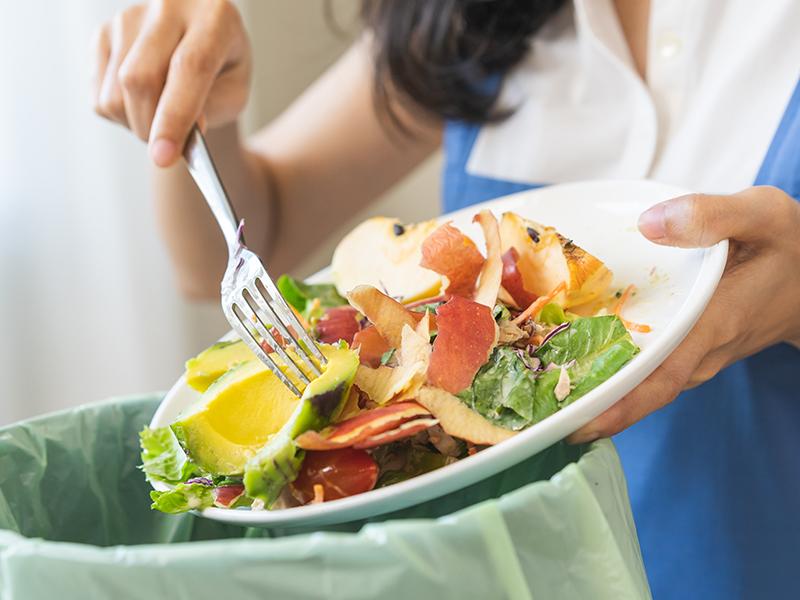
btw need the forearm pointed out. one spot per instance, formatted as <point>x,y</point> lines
<point>296,181</point>
<point>191,234</point>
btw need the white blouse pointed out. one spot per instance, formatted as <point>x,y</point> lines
<point>719,76</point>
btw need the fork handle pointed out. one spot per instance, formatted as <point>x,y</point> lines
<point>202,169</point>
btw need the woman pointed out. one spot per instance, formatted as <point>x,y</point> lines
<point>521,93</point>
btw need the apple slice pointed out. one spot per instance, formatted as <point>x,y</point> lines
<point>512,280</point>
<point>449,252</point>
<point>547,258</point>
<point>460,421</point>
<point>385,254</point>
<point>362,427</point>
<point>387,314</point>
<point>492,271</point>
<point>466,335</point>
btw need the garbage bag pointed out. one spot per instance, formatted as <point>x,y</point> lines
<point>75,523</point>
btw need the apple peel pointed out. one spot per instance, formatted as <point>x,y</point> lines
<point>512,282</point>
<point>371,346</point>
<point>406,430</point>
<point>492,271</point>
<point>227,495</point>
<point>387,314</point>
<point>460,421</point>
<point>383,383</point>
<point>450,253</point>
<point>362,427</point>
<point>467,333</point>
<point>338,323</point>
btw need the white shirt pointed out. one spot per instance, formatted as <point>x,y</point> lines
<point>719,76</point>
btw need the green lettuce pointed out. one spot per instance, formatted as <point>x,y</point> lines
<point>553,314</point>
<point>182,498</point>
<point>505,391</point>
<point>593,348</point>
<point>163,459</point>
<point>508,392</point>
<point>301,296</point>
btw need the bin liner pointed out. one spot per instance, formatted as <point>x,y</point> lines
<point>75,523</point>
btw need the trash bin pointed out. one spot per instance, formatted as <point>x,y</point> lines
<point>75,523</point>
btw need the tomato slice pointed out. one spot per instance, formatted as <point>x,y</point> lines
<point>341,473</point>
<point>372,344</point>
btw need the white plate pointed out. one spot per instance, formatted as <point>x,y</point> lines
<point>674,287</point>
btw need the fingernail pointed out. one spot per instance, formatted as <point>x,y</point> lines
<point>653,222</point>
<point>163,152</point>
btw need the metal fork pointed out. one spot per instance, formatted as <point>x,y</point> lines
<point>251,302</point>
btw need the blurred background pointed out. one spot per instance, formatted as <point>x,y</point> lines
<point>89,308</point>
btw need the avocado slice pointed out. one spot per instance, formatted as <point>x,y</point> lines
<point>235,417</point>
<point>247,420</point>
<point>208,366</point>
<point>278,462</point>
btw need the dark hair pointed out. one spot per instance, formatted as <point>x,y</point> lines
<point>439,55</point>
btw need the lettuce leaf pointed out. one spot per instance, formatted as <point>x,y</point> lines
<point>511,395</point>
<point>505,391</point>
<point>552,314</point>
<point>593,348</point>
<point>301,295</point>
<point>182,498</point>
<point>163,459</point>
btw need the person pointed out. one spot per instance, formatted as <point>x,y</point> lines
<point>520,93</point>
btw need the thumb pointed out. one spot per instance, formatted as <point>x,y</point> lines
<point>701,220</point>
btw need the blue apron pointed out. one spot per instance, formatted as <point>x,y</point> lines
<point>714,478</point>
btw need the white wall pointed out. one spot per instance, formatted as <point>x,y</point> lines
<point>87,305</point>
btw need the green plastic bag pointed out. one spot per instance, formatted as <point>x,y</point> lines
<point>75,523</point>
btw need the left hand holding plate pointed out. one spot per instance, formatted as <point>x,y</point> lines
<point>755,305</point>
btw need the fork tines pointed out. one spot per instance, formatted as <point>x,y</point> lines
<point>264,318</point>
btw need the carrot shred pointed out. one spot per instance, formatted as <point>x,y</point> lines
<point>640,327</point>
<point>623,299</point>
<point>301,318</point>
<point>319,494</point>
<point>537,305</point>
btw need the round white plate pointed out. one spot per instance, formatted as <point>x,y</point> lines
<point>674,286</point>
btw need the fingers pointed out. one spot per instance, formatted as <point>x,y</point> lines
<point>658,390</point>
<point>123,33</point>
<point>193,69</point>
<point>144,71</point>
<point>699,220</point>
<point>159,68</point>
<point>102,48</point>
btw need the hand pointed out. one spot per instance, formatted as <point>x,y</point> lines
<point>163,66</point>
<point>755,305</point>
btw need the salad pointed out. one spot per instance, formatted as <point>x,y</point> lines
<point>435,351</point>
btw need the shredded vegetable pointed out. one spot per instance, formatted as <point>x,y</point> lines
<point>538,304</point>
<point>630,325</point>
